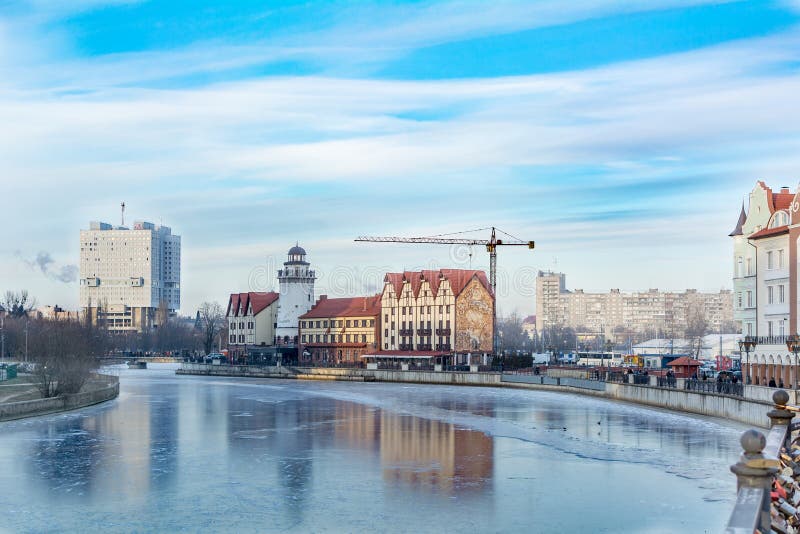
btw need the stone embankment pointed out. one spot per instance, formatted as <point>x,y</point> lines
<point>99,388</point>
<point>749,409</point>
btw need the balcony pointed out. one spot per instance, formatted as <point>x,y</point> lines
<point>406,347</point>
<point>443,347</point>
<point>424,331</point>
<point>424,347</point>
<point>442,331</point>
<point>768,340</point>
<point>407,332</point>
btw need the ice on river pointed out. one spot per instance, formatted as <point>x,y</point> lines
<point>181,453</point>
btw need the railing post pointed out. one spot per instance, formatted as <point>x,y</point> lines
<point>751,472</point>
<point>780,415</point>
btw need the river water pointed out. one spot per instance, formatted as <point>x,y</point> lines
<point>188,454</point>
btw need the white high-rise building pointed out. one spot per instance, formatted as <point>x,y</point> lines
<point>128,274</point>
<point>296,283</point>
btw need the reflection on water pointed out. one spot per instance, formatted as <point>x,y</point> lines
<point>195,453</point>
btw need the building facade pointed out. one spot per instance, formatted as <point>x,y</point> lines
<point>642,312</point>
<point>449,310</point>
<point>128,274</point>
<point>296,283</point>
<point>252,320</point>
<point>766,241</point>
<point>340,330</point>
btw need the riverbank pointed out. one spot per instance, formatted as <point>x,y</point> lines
<point>748,410</point>
<point>99,388</point>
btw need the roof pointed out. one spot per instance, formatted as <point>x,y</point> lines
<point>531,319</point>
<point>297,249</point>
<point>458,278</point>
<point>238,303</point>
<point>345,307</point>
<point>768,232</point>
<point>685,361</point>
<point>739,224</point>
<point>782,201</point>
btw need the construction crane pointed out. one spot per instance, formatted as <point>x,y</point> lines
<point>491,245</point>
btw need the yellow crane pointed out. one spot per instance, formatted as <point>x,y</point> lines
<point>491,245</point>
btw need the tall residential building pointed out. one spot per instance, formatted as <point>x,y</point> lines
<point>766,240</point>
<point>128,274</point>
<point>644,312</point>
<point>296,282</point>
<point>448,311</point>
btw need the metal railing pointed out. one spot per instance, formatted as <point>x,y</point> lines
<point>714,386</point>
<point>641,380</point>
<point>666,382</point>
<point>756,470</point>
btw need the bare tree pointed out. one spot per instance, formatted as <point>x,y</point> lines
<point>696,327</point>
<point>212,321</point>
<point>18,304</point>
<point>65,354</point>
<point>512,336</point>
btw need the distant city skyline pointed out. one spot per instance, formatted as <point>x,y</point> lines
<point>621,137</point>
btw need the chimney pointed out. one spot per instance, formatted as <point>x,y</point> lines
<point>323,297</point>
<point>784,189</point>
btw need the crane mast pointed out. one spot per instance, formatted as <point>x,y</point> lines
<point>491,245</point>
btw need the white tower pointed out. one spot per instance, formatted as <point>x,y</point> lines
<point>296,282</point>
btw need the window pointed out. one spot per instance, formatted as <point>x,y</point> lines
<point>363,338</point>
<point>780,294</point>
<point>324,324</point>
<point>429,309</point>
<point>780,259</point>
<point>739,300</point>
<point>385,332</point>
<point>386,317</point>
<point>749,299</point>
<point>769,328</point>
<point>372,322</point>
<point>348,323</point>
<point>348,338</point>
<point>781,328</point>
<point>304,338</point>
<point>749,329</point>
<point>769,260</point>
<point>739,267</point>
<point>749,266</point>
<point>770,296</point>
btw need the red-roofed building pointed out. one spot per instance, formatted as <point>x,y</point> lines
<point>446,310</point>
<point>766,244</point>
<point>251,321</point>
<point>340,330</point>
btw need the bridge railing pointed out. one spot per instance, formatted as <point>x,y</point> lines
<point>756,470</point>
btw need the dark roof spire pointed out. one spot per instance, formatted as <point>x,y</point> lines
<point>740,223</point>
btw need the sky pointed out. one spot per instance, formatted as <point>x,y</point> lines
<point>621,136</point>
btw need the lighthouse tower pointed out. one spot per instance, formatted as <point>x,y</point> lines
<point>296,282</point>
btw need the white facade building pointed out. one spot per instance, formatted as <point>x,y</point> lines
<point>127,274</point>
<point>766,243</point>
<point>296,282</point>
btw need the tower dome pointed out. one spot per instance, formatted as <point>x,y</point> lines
<point>297,250</point>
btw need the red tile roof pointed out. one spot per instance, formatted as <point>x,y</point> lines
<point>239,303</point>
<point>458,278</point>
<point>782,201</point>
<point>767,232</point>
<point>684,361</point>
<point>345,307</point>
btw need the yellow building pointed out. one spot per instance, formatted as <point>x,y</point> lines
<point>339,330</point>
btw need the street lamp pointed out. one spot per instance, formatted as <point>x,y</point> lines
<point>746,345</point>
<point>793,344</point>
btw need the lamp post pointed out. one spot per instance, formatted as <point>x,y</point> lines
<point>793,344</point>
<point>746,345</point>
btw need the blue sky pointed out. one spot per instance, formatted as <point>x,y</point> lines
<point>621,136</point>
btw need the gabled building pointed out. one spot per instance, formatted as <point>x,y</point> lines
<point>252,320</point>
<point>340,330</point>
<point>766,241</point>
<point>449,310</point>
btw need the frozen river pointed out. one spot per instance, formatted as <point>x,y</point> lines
<point>178,453</point>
